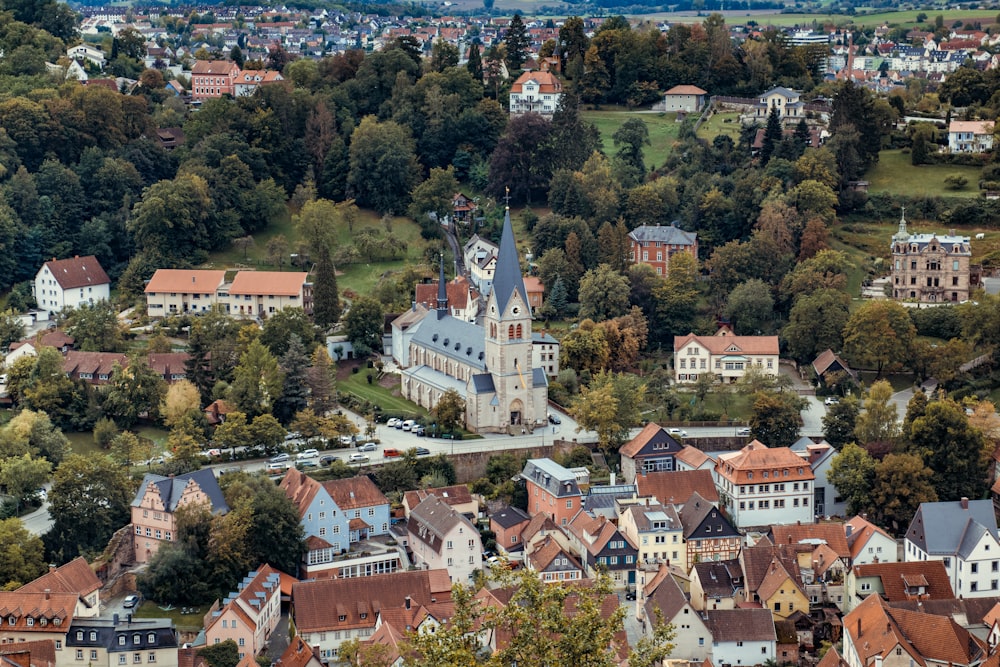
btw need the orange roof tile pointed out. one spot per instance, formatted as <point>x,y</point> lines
<point>676,487</point>
<point>692,456</point>
<point>830,533</point>
<point>77,272</point>
<point>75,576</point>
<point>354,492</point>
<point>185,281</point>
<point>548,83</point>
<point>300,489</point>
<point>894,588</point>
<point>721,343</point>
<point>686,90</point>
<point>861,530</point>
<point>278,283</point>
<point>758,458</point>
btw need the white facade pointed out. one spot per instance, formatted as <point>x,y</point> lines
<point>53,297</point>
<point>742,652</point>
<point>973,574</point>
<point>970,136</point>
<point>725,355</point>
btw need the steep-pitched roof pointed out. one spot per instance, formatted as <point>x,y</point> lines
<point>676,487</point>
<point>300,489</point>
<point>733,625</point>
<point>278,283</point>
<point>826,359</point>
<point>457,291</point>
<point>831,534</point>
<point>692,456</point>
<point>507,277</point>
<point>56,338</point>
<point>653,434</point>
<point>693,514</point>
<point>94,363</point>
<point>551,476</point>
<point>894,575</point>
<point>171,489</point>
<point>298,654</point>
<point>187,281</point>
<point>547,82</point>
<point>355,492</point>
<point>77,272</point>
<point>667,597</point>
<point>75,576</point>
<point>432,520</point>
<point>451,495</point>
<point>757,561</point>
<point>40,653</point>
<point>21,605</point>
<point>543,557</point>
<point>720,578</point>
<point>947,524</point>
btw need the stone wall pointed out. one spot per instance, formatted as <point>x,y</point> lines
<point>470,466</point>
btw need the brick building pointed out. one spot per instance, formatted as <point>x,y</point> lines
<point>656,244</point>
<point>930,267</point>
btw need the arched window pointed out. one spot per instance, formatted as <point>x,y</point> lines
<point>519,332</point>
<point>510,331</point>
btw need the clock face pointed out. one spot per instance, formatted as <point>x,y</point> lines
<point>515,310</point>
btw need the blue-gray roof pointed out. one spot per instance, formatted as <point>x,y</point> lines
<point>552,477</point>
<point>941,528</point>
<point>171,489</point>
<point>436,379</point>
<point>538,378</point>
<point>507,277</point>
<point>483,384</point>
<point>669,234</point>
<point>454,338</point>
<point>543,338</point>
<point>136,633</point>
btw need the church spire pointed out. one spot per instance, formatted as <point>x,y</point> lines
<point>902,234</point>
<point>442,300</point>
<point>507,277</point>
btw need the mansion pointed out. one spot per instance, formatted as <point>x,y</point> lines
<point>930,267</point>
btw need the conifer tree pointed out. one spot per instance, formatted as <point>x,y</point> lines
<point>517,43</point>
<point>475,63</point>
<point>772,135</point>
<point>326,298</point>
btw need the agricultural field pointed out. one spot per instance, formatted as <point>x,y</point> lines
<point>663,130</point>
<point>895,174</point>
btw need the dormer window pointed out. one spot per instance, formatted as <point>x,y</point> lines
<point>79,635</point>
<point>121,640</point>
<point>364,615</point>
<point>30,621</point>
<point>136,639</point>
<point>151,638</point>
<point>342,618</point>
<point>11,620</point>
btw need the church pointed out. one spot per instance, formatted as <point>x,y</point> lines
<point>494,366</point>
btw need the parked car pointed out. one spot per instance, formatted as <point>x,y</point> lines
<point>419,431</point>
<point>131,601</point>
<point>308,463</point>
<point>293,435</point>
<point>276,468</point>
<point>743,431</point>
<point>307,454</point>
<point>629,595</point>
<point>423,451</point>
<point>831,400</point>
<point>368,447</point>
<point>358,457</point>
<point>391,453</point>
<point>393,422</point>
<point>677,431</point>
<point>327,460</point>
<point>347,440</point>
<point>554,419</point>
<point>408,425</point>
<point>42,495</point>
<point>278,458</point>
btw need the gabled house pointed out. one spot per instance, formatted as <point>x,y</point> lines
<point>213,78</point>
<point>298,654</point>
<point>657,533</point>
<point>875,633</point>
<point>462,208</point>
<point>91,54</point>
<point>708,533</point>
<point>456,496</point>
<point>76,577</point>
<point>826,500</point>
<point>39,616</point>
<point>480,259</point>
<point>507,524</point>
<point>327,612</point>
<point>692,458</point>
<point>970,136</point>
<point>248,615</point>
<point>723,354</point>
<point>535,92</point>
<point>741,636</point>
<point>158,499</point>
<point>717,585</point>
<point>553,563</point>
<point>110,642</point>
<point>773,579</point>
<point>656,244</point>
<point>823,557</point>
<point>248,82</point>
<point>651,450</point>
<point>601,545</point>
<point>919,581</point>
<point>463,298</point>
<point>440,537</point>
<point>869,543</point>
<point>787,102</point>
<point>70,283</point>
<point>29,654</point>
<point>829,363</point>
<point>552,490</point>
<point>394,626</point>
<point>685,99</point>
<point>677,488</point>
<point>963,535</point>
<point>692,639</point>
<point>766,486</point>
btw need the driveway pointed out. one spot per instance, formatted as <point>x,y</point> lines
<point>278,641</point>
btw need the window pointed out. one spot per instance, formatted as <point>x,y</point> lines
<point>137,658</point>
<point>122,659</point>
<point>975,568</point>
<point>79,654</point>
<point>152,656</point>
<point>58,644</point>
<point>569,504</point>
<point>121,638</point>
<point>243,641</point>
<point>30,621</point>
<point>93,654</point>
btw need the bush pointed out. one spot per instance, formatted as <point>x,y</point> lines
<point>955,181</point>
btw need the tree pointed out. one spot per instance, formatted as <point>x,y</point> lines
<point>585,348</point>
<point>90,499</point>
<point>902,482</point>
<point>816,323</point>
<point>772,135</point>
<point>266,434</point>
<point>677,298</point>
<point>31,432</point>
<point>878,334</point>
<point>852,473</point>
<point>522,160</point>
<point>95,327</point>
<point>232,433</point>
<point>517,43</point>
<point>326,296</point>
<point>652,650</point>
<point>952,449</point>
<point>127,449</point>
<point>181,398</point>
<point>363,325</point>
<point>280,328</point>
<point>134,390</point>
<point>475,62</point>
<point>277,251</point>
<point>775,418</point>
<point>453,644</point>
<point>384,165</point>
<point>320,378</point>
<point>223,654</point>
<point>876,426</point>
<point>22,475</point>
<point>434,196</point>
<point>603,293</point>
<point>257,380</point>
<point>450,411</point>
<point>443,55</point>
<point>11,329</point>
<point>840,421</point>
<point>24,554</point>
<point>750,308</point>
<point>295,390</point>
<point>629,140</point>
<point>609,406</point>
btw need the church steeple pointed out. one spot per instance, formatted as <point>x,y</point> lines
<point>442,298</point>
<point>507,278</point>
<point>902,234</point>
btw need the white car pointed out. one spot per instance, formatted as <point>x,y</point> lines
<point>357,457</point>
<point>743,431</point>
<point>831,400</point>
<point>677,431</point>
<point>307,454</point>
<point>393,422</point>
<point>408,424</point>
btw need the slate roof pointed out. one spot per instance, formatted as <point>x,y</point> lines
<point>507,277</point>
<point>669,234</point>
<point>77,272</point>
<point>651,434</point>
<point>938,585</point>
<point>432,520</point>
<point>508,517</point>
<point>552,477</point>
<point>676,487</point>
<point>171,489</point>
<point>483,384</point>
<point>720,579</point>
<point>108,634</point>
<point>453,338</point>
<point>693,514</point>
<point>667,597</point>
<point>733,625</point>
<point>948,524</point>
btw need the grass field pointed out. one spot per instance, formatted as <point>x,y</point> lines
<point>861,19</point>
<point>873,238</point>
<point>149,609</point>
<point>895,174</point>
<point>663,130</point>
<point>727,123</point>
<point>83,443</point>
<point>357,384</point>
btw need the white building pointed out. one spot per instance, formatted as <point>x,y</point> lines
<point>764,486</point>
<point>725,355</point>
<point>869,543</point>
<point>962,534</point>
<point>87,52</point>
<point>71,283</point>
<point>741,636</point>
<point>535,92</point>
<point>970,136</point>
<point>441,537</point>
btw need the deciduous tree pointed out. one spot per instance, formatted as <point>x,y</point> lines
<point>952,449</point>
<point>878,334</point>
<point>450,411</point>
<point>384,165</point>
<point>24,555</point>
<point>775,418</point>
<point>603,293</point>
<point>852,473</point>
<point>257,380</point>
<point>876,427</point>
<point>902,482</point>
<point>363,325</point>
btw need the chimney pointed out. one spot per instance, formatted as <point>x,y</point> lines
<point>408,601</point>
<point>849,528</point>
<point>48,593</point>
<point>859,628</point>
<point>965,503</point>
<point>52,567</point>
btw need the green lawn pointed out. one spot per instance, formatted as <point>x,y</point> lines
<point>83,442</point>
<point>895,174</point>
<point>727,123</point>
<point>357,385</point>
<point>663,130</point>
<point>861,19</point>
<point>872,238</point>
<point>149,609</point>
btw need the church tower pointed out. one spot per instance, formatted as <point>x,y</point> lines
<point>508,339</point>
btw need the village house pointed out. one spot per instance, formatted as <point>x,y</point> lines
<point>158,499</point>
<point>507,524</point>
<point>536,292</point>
<point>963,535</point>
<point>29,616</point>
<point>249,81</point>
<point>678,487</point>
<point>708,533</point>
<point>552,490</point>
<point>787,102</point>
<point>970,136</point>
<point>75,577</point>
<point>741,636</point>
<point>554,563</point>
<point>535,92</point>
<point>724,354</point>
<point>394,625</point>
<point>327,612</point>
<point>826,501</point>
<point>930,267</point>
<point>602,546</point>
<point>251,294</point>
<point>70,283</point>
<point>457,497</point>
<point>440,537</point>
<point>111,642</point>
<point>869,543</point>
<point>656,244</point>
<point>213,78</point>
<point>692,639</point>
<point>919,581</point>
<point>89,53</point>
<point>656,531</point>
<point>766,486</point>
<point>462,209</point>
<point>684,99</point>
<point>822,555</point>
<point>717,585</point>
<point>651,450</point>
<point>463,298</point>
<point>248,615</point>
<point>480,257</point>
<point>773,578</point>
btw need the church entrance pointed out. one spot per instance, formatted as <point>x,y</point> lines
<point>516,412</point>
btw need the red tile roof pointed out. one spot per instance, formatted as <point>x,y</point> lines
<point>75,576</point>
<point>278,283</point>
<point>214,67</point>
<point>675,487</point>
<point>893,584</point>
<point>548,83</point>
<point>757,458</point>
<point>55,608</point>
<point>721,342</point>
<point>831,534</point>
<point>355,492</point>
<point>300,489</point>
<point>686,90</point>
<point>41,653</point>
<point>185,281</point>
<point>78,272</point>
<point>298,654</point>
<point>458,293</point>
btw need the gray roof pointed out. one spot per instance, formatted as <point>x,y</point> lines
<point>483,384</point>
<point>108,632</point>
<point>971,537</point>
<point>551,476</point>
<point>538,378</point>
<point>437,379</point>
<point>543,338</point>
<point>509,516</point>
<point>719,578</point>
<point>668,598</point>
<point>460,340</point>
<point>507,277</point>
<point>955,245</point>
<point>942,528</point>
<point>171,489</point>
<point>670,234</point>
<point>433,519</point>
<point>741,625</point>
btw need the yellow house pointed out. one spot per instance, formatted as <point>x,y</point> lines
<point>780,592</point>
